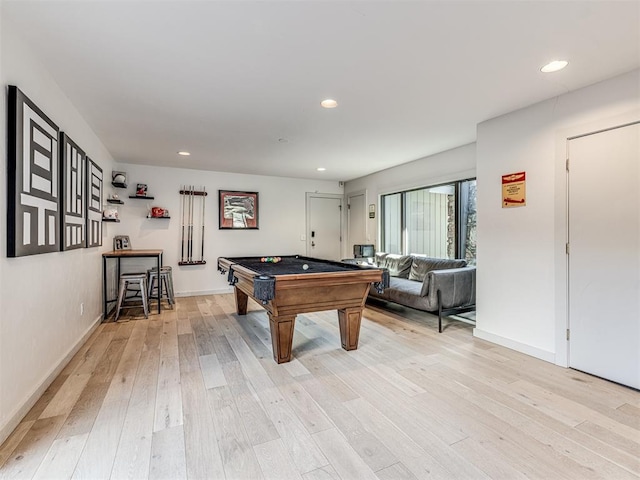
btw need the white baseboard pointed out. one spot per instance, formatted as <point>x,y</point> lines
<point>204,292</point>
<point>517,346</point>
<point>16,417</point>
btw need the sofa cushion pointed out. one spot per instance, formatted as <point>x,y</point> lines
<point>408,292</point>
<point>422,265</point>
<point>398,265</point>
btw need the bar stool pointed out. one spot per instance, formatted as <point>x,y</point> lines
<point>126,281</point>
<point>165,283</point>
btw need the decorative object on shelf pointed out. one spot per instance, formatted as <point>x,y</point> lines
<point>192,204</point>
<point>238,210</point>
<point>119,179</point>
<point>141,190</point>
<point>33,210</point>
<point>158,212</point>
<point>94,204</point>
<point>115,199</point>
<point>72,186</point>
<point>110,214</point>
<point>121,242</point>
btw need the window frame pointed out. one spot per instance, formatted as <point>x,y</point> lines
<point>458,241</point>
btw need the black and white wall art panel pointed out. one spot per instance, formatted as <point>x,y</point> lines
<point>94,204</point>
<point>33,213</point>
<point>73,193</point>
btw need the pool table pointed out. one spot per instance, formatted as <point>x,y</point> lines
<point>297,284</point>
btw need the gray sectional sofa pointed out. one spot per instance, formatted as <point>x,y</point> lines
<point>430,284</point>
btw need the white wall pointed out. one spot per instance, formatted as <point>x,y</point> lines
<point>281,219</point>
<point>40,295</point>
<point>521,295</point>
<point>455,164</point>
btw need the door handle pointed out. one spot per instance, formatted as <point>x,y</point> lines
<point>313,244</point>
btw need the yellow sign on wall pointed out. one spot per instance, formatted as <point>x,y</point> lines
<point>514,190</point>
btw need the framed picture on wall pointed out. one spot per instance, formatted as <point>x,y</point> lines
<point>237,210</point>
<point>33,173</point>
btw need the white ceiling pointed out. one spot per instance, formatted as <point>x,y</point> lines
<point>239,83</point>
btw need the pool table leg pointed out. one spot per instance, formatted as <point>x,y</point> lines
<point>241,301</point>
<point>349,319</point>
<point>282,336</point>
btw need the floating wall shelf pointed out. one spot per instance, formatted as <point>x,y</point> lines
<point>142,197</point>
<point>116,202</point>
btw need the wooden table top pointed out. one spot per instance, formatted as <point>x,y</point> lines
<point>133,253</point>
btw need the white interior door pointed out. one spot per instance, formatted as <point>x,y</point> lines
<point>604,254</point>
<point>324,226</point>
<point>356,225</point>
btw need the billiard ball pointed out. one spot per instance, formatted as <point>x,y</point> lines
<point>305,267</point>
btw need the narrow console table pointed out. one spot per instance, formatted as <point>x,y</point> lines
<point>119,255</point>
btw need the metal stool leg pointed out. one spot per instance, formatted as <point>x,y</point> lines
<point>121,291</point>
<point>143,294</point>
<point>165,284</point>
<point>171,293</point>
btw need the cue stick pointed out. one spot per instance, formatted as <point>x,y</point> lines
<point>182,200</point>
<point>190,249</point>
<point>204,197</point>
<point>188,199</point>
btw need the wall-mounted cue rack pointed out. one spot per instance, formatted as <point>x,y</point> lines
<point>192,225</point>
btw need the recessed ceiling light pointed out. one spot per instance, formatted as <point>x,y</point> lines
<point>329,103</point>
<point>184,153</point>
<point>554,66</point>
<point>321,169</point>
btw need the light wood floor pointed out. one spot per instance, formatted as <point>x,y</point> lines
<point>194,393</point>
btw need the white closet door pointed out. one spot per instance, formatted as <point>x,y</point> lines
<point>604,258</point>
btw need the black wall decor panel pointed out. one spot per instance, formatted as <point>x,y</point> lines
<point>33,203</point>
<point>72,186</point>
<point>94,204</point>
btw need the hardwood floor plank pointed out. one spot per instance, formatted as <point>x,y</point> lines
<point>253,415</point>
<point>418,460</point>
<point>397,471</point>
<point>374,453</point>
<point>61,459</point>
<point>168,456</point>
<point>168,403</point>
<point>134,449</point>
<point>100,449</point>
<point>10,444</point>
<point>83,414</point>
<point>274,461</point>
<point>64,400</point>
<point>238,458</point>
<point>203,458</point>
<point>343,458</point>
<point>419,428</point>
<point>323,473</point>
<point>212,371</point>
<point>201,333</point>
<point>296,438</point>
<point>32,449</point>
<point>169,342</point>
